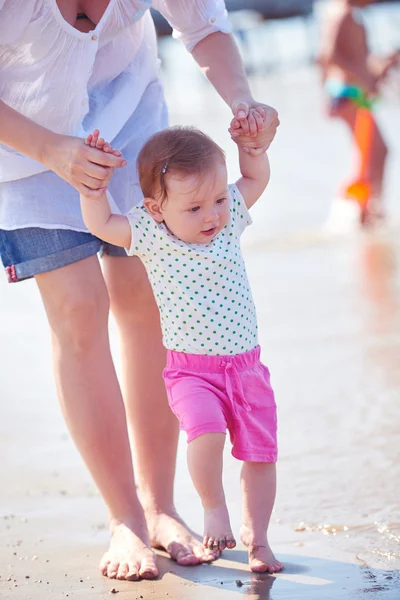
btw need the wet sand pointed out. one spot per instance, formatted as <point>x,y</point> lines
<point>329,309</point>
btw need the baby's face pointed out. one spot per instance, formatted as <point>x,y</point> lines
<point>197,208</point>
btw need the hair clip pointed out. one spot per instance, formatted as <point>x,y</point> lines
<point>164,169</point>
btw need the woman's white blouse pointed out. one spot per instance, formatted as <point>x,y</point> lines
<point>71,82</point>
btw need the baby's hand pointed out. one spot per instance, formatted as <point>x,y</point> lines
<point>94,141</point>
<point>251,134</point>
<point>249,126</point>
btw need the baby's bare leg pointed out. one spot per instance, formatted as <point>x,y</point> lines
<point>205,467</point>
<point>258,482</point>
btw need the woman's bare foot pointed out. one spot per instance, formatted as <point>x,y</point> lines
<point>261,557</point>
<point>129,556</point>
<point>217,529</point>
<point>170,533</point>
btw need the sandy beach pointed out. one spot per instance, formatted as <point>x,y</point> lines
<point>329,315</point>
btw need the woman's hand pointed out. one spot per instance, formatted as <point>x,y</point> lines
<point>87,169</point>
<point>253,126</point>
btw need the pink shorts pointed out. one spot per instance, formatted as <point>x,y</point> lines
<point>210,394</point>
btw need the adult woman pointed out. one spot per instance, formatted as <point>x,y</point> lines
<point>65,67</point>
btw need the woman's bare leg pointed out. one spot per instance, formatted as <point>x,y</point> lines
<point>155,439</point>
<point>76,302</point>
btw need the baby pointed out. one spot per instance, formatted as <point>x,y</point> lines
<point>187,234</point>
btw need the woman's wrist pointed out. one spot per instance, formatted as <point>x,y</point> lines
<point>47,143</point>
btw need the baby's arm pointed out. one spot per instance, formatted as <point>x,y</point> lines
<point>114,229</point>
<point>255,175</point>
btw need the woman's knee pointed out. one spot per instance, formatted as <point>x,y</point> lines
<point>80,321</point>
<point>77,306</point>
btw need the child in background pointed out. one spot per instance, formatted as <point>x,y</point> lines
<point>351,77</point>
<point>187,234</point>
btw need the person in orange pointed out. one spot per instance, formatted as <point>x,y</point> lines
<point>351,80</point>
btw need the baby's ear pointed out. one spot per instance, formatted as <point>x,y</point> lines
<point>153,207</point>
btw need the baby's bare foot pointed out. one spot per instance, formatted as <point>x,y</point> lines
<point>217,529</point>
<point>129,556</point>
<point>261,557</point>
<point>169,532</point>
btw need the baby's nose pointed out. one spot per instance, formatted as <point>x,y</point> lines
<point>212,216</point>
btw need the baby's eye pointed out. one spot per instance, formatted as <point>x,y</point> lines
<point>195,209</point>
<point>221,200</point>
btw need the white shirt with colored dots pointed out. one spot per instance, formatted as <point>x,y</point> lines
<point>201,290</point>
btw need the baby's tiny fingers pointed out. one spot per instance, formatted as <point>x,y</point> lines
<point>95,138</point>
<point>252,124</point>
<point>259,121</point>
<point>261,111</point>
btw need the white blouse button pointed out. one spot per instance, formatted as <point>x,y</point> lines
<point>212,20</point>
<point>94,37</point>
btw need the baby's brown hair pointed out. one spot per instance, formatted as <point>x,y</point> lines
<point>182,150</point>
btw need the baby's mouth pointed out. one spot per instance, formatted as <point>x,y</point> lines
<point>210,231</point>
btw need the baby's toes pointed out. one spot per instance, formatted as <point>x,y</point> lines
<point>221,544</point>
<point>230,542</point>
<point>212,543</point>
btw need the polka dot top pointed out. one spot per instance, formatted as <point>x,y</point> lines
<point>202,290</point>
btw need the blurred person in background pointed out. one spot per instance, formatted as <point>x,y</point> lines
<point>351,79</point>
<point>67,66</point>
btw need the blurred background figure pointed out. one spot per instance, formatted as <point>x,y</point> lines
<point>352,77</point>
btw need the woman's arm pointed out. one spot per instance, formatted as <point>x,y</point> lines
<point>203,26</point>
<point>85,168</point>
<point>219,58</point>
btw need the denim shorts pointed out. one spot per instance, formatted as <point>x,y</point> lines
<point>33,250</point>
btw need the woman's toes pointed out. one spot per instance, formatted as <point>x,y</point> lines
<point>132,574</point>
<point>203,554</point>
<point>112,570</point>
<point>186,558</point>
<point>148,568</point>
<point>103,566</point>
<point>123,571</point>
